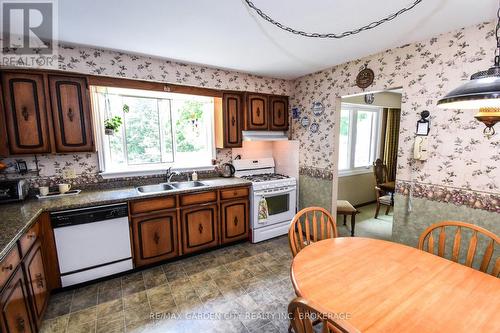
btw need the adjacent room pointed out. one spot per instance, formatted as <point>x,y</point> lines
<point>249,166</point>
<point>367,162</point>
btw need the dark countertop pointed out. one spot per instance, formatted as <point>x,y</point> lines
<point>16,218</point>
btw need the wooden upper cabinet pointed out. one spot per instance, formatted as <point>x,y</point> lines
<point>37,281</point>
<point>232,111</point>
<point>14,306</point>
<point>25,113</point>
<point>155,237</point>
<point>199,228</point>
<point>234,217</point>
<point>278,113</point>
<point>71,114</point>
<point>256,115</point>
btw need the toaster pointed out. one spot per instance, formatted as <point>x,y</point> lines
<point>13,190</point>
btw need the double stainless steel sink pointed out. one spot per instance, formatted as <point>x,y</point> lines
<point>165,187</point>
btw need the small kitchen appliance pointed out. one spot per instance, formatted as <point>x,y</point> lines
<point>272,193</point>
<point>227,170</point>
<point>13,190</point>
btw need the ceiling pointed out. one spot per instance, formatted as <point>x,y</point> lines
<point>227,34</point>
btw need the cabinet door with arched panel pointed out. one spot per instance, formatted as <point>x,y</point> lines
<point>155,237</point>
<point>278,111</point>
<point>234,217</point>
<point>256,113</point>
<point>71,114</point>
<point>25,113</point>
<point>199,227</point>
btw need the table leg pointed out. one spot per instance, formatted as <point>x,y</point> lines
<point>353,223</point>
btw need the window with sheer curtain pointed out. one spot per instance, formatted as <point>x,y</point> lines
<point>158,130</point>
<point>359,138</point>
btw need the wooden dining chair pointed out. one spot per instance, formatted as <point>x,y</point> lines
<point>383,199</point>
<point>380,171</point>
<point>428,242</point>
<point>310,225</point>
<point>305,314</point>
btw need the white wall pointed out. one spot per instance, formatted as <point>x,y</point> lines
<point>357,189</point>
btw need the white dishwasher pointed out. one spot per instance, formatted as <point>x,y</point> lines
<point>92,242</point>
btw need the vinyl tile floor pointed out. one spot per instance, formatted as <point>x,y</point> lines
<point>240,288</point>
<point>367,225</point>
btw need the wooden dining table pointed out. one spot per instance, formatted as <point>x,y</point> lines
<point>381,286</point>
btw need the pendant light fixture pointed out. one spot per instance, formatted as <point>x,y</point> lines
<point>481,92</point>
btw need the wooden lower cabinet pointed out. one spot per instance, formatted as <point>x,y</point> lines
<point>234,220</point>
<point>14,305</point>
<point>199,228</point>
<point>155,237</point>
<point>36,281</point>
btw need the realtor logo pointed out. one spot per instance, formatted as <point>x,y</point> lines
<point>28,33</point>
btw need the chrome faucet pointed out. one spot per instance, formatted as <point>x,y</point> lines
<point>169,174</point>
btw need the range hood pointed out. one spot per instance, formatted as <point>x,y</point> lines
<point>264,136</point>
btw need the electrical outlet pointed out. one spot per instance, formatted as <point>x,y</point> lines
<point>69,173</point>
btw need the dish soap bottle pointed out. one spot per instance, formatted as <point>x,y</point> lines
<point>194,176</point>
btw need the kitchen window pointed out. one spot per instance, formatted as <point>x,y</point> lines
<point>359,138</point>
<point>157,130</point>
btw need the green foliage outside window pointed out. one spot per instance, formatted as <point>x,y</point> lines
<point>187,129</point>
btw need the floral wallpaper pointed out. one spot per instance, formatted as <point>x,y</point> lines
<point>118,64</point>
<point>459,155</point>
<point>461,158</point>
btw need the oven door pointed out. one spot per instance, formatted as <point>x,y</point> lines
<point>281,204</point>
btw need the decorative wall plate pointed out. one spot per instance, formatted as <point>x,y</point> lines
<point>369,98</point>
<point>318,108</point>
<point>314,127</point>
<point>304,122</point>
<point>365,77</point>
<point>295,112</point>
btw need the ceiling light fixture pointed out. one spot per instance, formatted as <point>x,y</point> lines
<point>369,26</point>
<point>481,92</point>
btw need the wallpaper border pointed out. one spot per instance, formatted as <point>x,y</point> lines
<point>459,197</point>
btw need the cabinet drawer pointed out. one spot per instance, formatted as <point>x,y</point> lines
<point>148,205</point>
<point>240,192</point>
<point>198,198</point>
<point>8,265</point>
<point>29,238</point>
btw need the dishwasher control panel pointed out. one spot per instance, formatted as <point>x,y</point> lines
<point>88,215</point>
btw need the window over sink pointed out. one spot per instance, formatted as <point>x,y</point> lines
<point>147,131</point>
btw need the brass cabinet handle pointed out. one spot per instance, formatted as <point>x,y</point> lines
<point>258,112</point>
<point>71,115</point>
<point>279,113</point>
<point>7,268</point>
<point>156,238</point>
<point>233,121</point>
<point>31,235</point>
<point>20,324</point>
<point>39,280</point>
<point>25,113</point>
<point>235,221</point>
<point>200,228</point>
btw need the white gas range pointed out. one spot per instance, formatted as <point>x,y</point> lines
<point>278,191</point>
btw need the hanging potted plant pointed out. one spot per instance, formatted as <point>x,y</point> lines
<point>111,125</point>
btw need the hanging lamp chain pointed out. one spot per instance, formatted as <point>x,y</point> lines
<point>369,26</point>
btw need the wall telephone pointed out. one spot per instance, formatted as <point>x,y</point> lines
<point>420,148</point>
